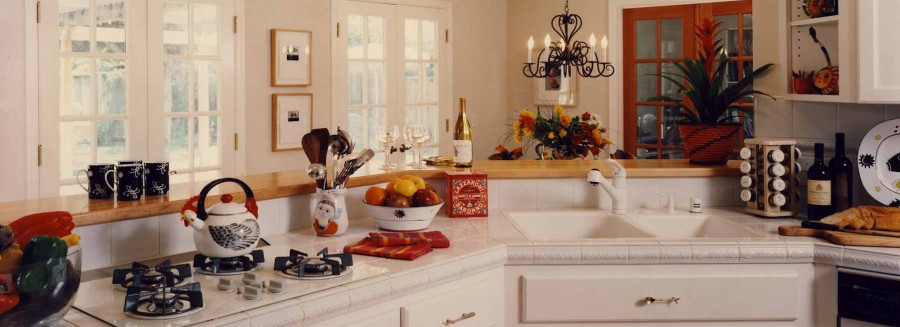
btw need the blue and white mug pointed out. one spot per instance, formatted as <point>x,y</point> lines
<point>97,184</point>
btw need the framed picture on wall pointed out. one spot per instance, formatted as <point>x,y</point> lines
<point>291,58</point>
<point>291,119</point>
<point>555,89</point>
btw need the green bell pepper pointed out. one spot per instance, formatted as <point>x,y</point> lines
<point>43,265</point>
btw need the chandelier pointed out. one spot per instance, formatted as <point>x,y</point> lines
<point>565,55</point>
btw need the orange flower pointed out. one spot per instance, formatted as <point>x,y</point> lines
<point>565,120</point>
<point>551,136</point>
<point>563,133</point>
<point>560,110</point>
<point>518,137</point>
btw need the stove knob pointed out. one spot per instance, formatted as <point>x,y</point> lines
<point>252,293</point>
<point>252,279</point>
<point>277,285</point>
<point>226,285</point>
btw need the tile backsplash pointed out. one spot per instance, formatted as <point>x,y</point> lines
<point>817,122</point>
<point>140,239</point>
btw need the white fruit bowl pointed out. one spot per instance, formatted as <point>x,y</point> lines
<point>403,219</point>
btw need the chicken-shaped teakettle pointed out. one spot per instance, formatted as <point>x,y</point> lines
<point>226,229</point>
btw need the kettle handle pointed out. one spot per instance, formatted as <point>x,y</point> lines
<point>250,204</point>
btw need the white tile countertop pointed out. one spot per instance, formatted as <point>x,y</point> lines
<point>483,243</point>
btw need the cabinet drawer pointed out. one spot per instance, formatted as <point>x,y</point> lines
<point>619,298</point>
<point>484,299</point>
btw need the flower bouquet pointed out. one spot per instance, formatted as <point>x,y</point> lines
<point>561,136</point>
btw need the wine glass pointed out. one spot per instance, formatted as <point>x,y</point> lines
<point>386,138</point>
<point>422,136</point>
<point>408,132</point>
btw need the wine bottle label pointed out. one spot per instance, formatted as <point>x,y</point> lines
<point>818,193</point>
<point>462,151</point>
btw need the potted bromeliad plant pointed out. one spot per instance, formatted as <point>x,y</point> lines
<point>708,103</point>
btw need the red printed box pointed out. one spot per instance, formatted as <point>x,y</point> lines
<point>467,194</point>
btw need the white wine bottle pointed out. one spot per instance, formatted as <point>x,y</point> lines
<point>462,138</point>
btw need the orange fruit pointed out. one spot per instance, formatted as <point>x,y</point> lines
<point>405,188</point>
<point>376,196</point>
<point>390,186</point>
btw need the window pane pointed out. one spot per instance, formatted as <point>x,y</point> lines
<point>206,29</point>
<point>411,38</point>
<point>413,116</point>
<point>728,36</point>
<point>355,28</point>
<point>111,26</point>
<point>671,38</point>
<point>429,34</point>
<point>75,25</point>
<point>75,145</point>
<point>206,85</point>
<point>411,75</point>
<point>646,81</point>
<point>355,91</point>
<point>673,154</point>
<point>207,176</point>
<point>356,122</point>
<point>175,85</point>
<point>646,39</point>
<point>429,92</point>
<point>671,134</point>
<point>111,144</point>
<point>748,35</point>
<point>376,37</point>
<point>647,125</point>
<point>206,141</point>
<point>377,83</point>
<point>175,27</point>
<point>669,88</point>
<point>376,119</point>
<point>111,92</point>
<point>175,133</point>
<point>431,121</point>
<point>74,86</point>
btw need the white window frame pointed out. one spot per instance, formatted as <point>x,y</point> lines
<point>396,82</point>
<point>42,129</point>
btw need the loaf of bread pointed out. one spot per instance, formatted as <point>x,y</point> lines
<point>867,217</point>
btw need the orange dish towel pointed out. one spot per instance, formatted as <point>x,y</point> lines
<point>438,240</point>
<point>404,252</point>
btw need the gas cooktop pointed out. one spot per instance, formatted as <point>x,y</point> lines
<point>198,298</point>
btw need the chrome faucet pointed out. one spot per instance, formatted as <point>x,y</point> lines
<point>616,189</point>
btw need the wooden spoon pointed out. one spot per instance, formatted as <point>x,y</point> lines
<point>321,135</point>
<point>310,147</point>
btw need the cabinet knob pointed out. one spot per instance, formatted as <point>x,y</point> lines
<point>462,317</point>
<point>651,300</point>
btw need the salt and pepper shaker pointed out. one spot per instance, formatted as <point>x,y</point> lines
<point>696,205</point>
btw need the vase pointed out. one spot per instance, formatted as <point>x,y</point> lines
<point>709,144</point>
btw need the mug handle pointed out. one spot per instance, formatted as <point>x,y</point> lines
<point>106,178</point>
<point>78,173</point>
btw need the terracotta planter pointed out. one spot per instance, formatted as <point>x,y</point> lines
<point>709,144</point>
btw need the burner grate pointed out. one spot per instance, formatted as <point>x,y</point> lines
<point>166,302</point>
<point>229,266</point>
<point>300,265</point>
<point>143,276</point>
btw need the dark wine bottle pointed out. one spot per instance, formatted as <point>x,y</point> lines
<point>841,169</point>
<point>818,187</point>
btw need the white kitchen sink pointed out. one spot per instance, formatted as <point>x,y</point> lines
<point>573,225</point>
<point>694,227</point>
<point>593,224</point>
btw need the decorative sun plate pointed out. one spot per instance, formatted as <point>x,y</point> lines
<point>879,162</point>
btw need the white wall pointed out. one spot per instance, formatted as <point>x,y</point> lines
<point>12,100</point>
<point>260,17</point>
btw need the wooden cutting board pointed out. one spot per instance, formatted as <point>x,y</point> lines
<point>841,238</point>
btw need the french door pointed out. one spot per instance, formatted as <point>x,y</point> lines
<point>105,95</point>
<point>391,68</point>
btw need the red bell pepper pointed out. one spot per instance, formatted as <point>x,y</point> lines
<point>8,296</point>
<point>56,223</point>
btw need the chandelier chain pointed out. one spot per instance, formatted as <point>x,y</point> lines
<point>567,6</point>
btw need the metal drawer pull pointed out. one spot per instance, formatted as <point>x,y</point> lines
<point>651,300</point>
<point>462,317</point>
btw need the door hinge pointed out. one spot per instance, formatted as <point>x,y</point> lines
<point>40,155</point>
<point>447,125</point>
<point>38,12</point>
<point>235,24</point>
<point>447,36</point>
<point>235,141</point>
<point>338,30</point>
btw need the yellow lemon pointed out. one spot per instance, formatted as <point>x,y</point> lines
<point>405,188</point>
<point>419,181</point>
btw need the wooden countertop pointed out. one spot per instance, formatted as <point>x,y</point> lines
<point>290,183</point>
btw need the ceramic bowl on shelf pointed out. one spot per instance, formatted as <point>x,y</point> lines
<point>403,219</point>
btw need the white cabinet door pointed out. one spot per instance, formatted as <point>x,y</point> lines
<point>879,42</point>
<point>478,304</point>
